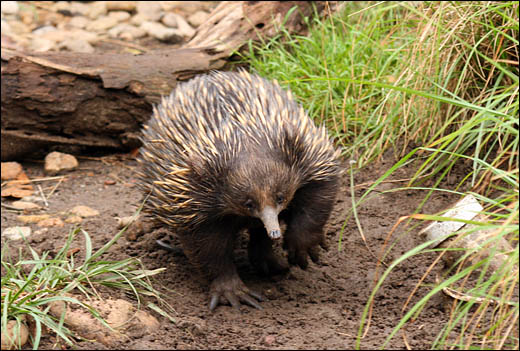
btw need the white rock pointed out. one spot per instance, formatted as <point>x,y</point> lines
<point>152,10</point>
<point>6,28</point>
<point>43,30</point>
<point>170,20</point>
<point>61,6</point>
<point>97,9</point>
<point>9,7</point>
<point>128,6</point>
<point>79,22</point>
<point>16,233</point>
<point>138,19</point>
<point>79,8</point>
<point>119,15</point>
<point>18,27</point>
<point>183,26</point>
<point>76,45</point>
<point>198,18</point>
<point>41,45</point>
<point>62,35</point>
<point>102,24</point>
<point>126,31</point>
<point>57,161</point>
<point>161,32</point>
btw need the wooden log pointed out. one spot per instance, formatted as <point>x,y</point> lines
<point>101,100</point>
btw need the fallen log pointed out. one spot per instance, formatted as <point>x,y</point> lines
<point>97,100</point>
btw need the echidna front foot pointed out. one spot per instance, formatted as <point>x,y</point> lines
<point>261,254</point>
<point>234,291</point>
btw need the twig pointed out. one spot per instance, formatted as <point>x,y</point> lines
<point>457,295</point>
<point>392,180</point>
<point>43,195</point>
<point>55,187</point>
<point>24,181</point>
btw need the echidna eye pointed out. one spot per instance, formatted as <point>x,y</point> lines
<point>249,204</point>
<point>280,199</point>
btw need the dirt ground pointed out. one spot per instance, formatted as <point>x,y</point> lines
<point>319,308</point>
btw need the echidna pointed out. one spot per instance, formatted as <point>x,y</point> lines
<point>228,151</point>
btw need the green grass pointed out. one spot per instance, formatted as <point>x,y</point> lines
<point>30,286</point>
<point>439,79</point>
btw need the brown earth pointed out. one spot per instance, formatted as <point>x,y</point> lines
<point>319,308</point>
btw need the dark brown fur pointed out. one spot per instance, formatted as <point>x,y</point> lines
<point>220,153</point>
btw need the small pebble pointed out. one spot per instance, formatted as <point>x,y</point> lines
<point>79,22</point>
<point>73,219</point>
<point>152,10</point>
<point>57,161</point>
<point>51,222</point>
<point>128,6</point>
<point>97,9</point>
<point>16,233</point>
<point>79,8</point>
<point>161,32</point>
<point>198,18</point>
<point>10,170</point>
<point>269,339</point>
<point>77,45</point>
<point>183,26</point>
<point>32,218</point>
<point>10,340</point>
<point>110,182</point>
<point>84,211</point>
<point>24,205</point>
<point>9,7</point>
<point>41,45</point>
<point>102,24</point>
<point>120,16</point>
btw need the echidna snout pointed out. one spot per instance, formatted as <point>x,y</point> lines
<point>269,217</point>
